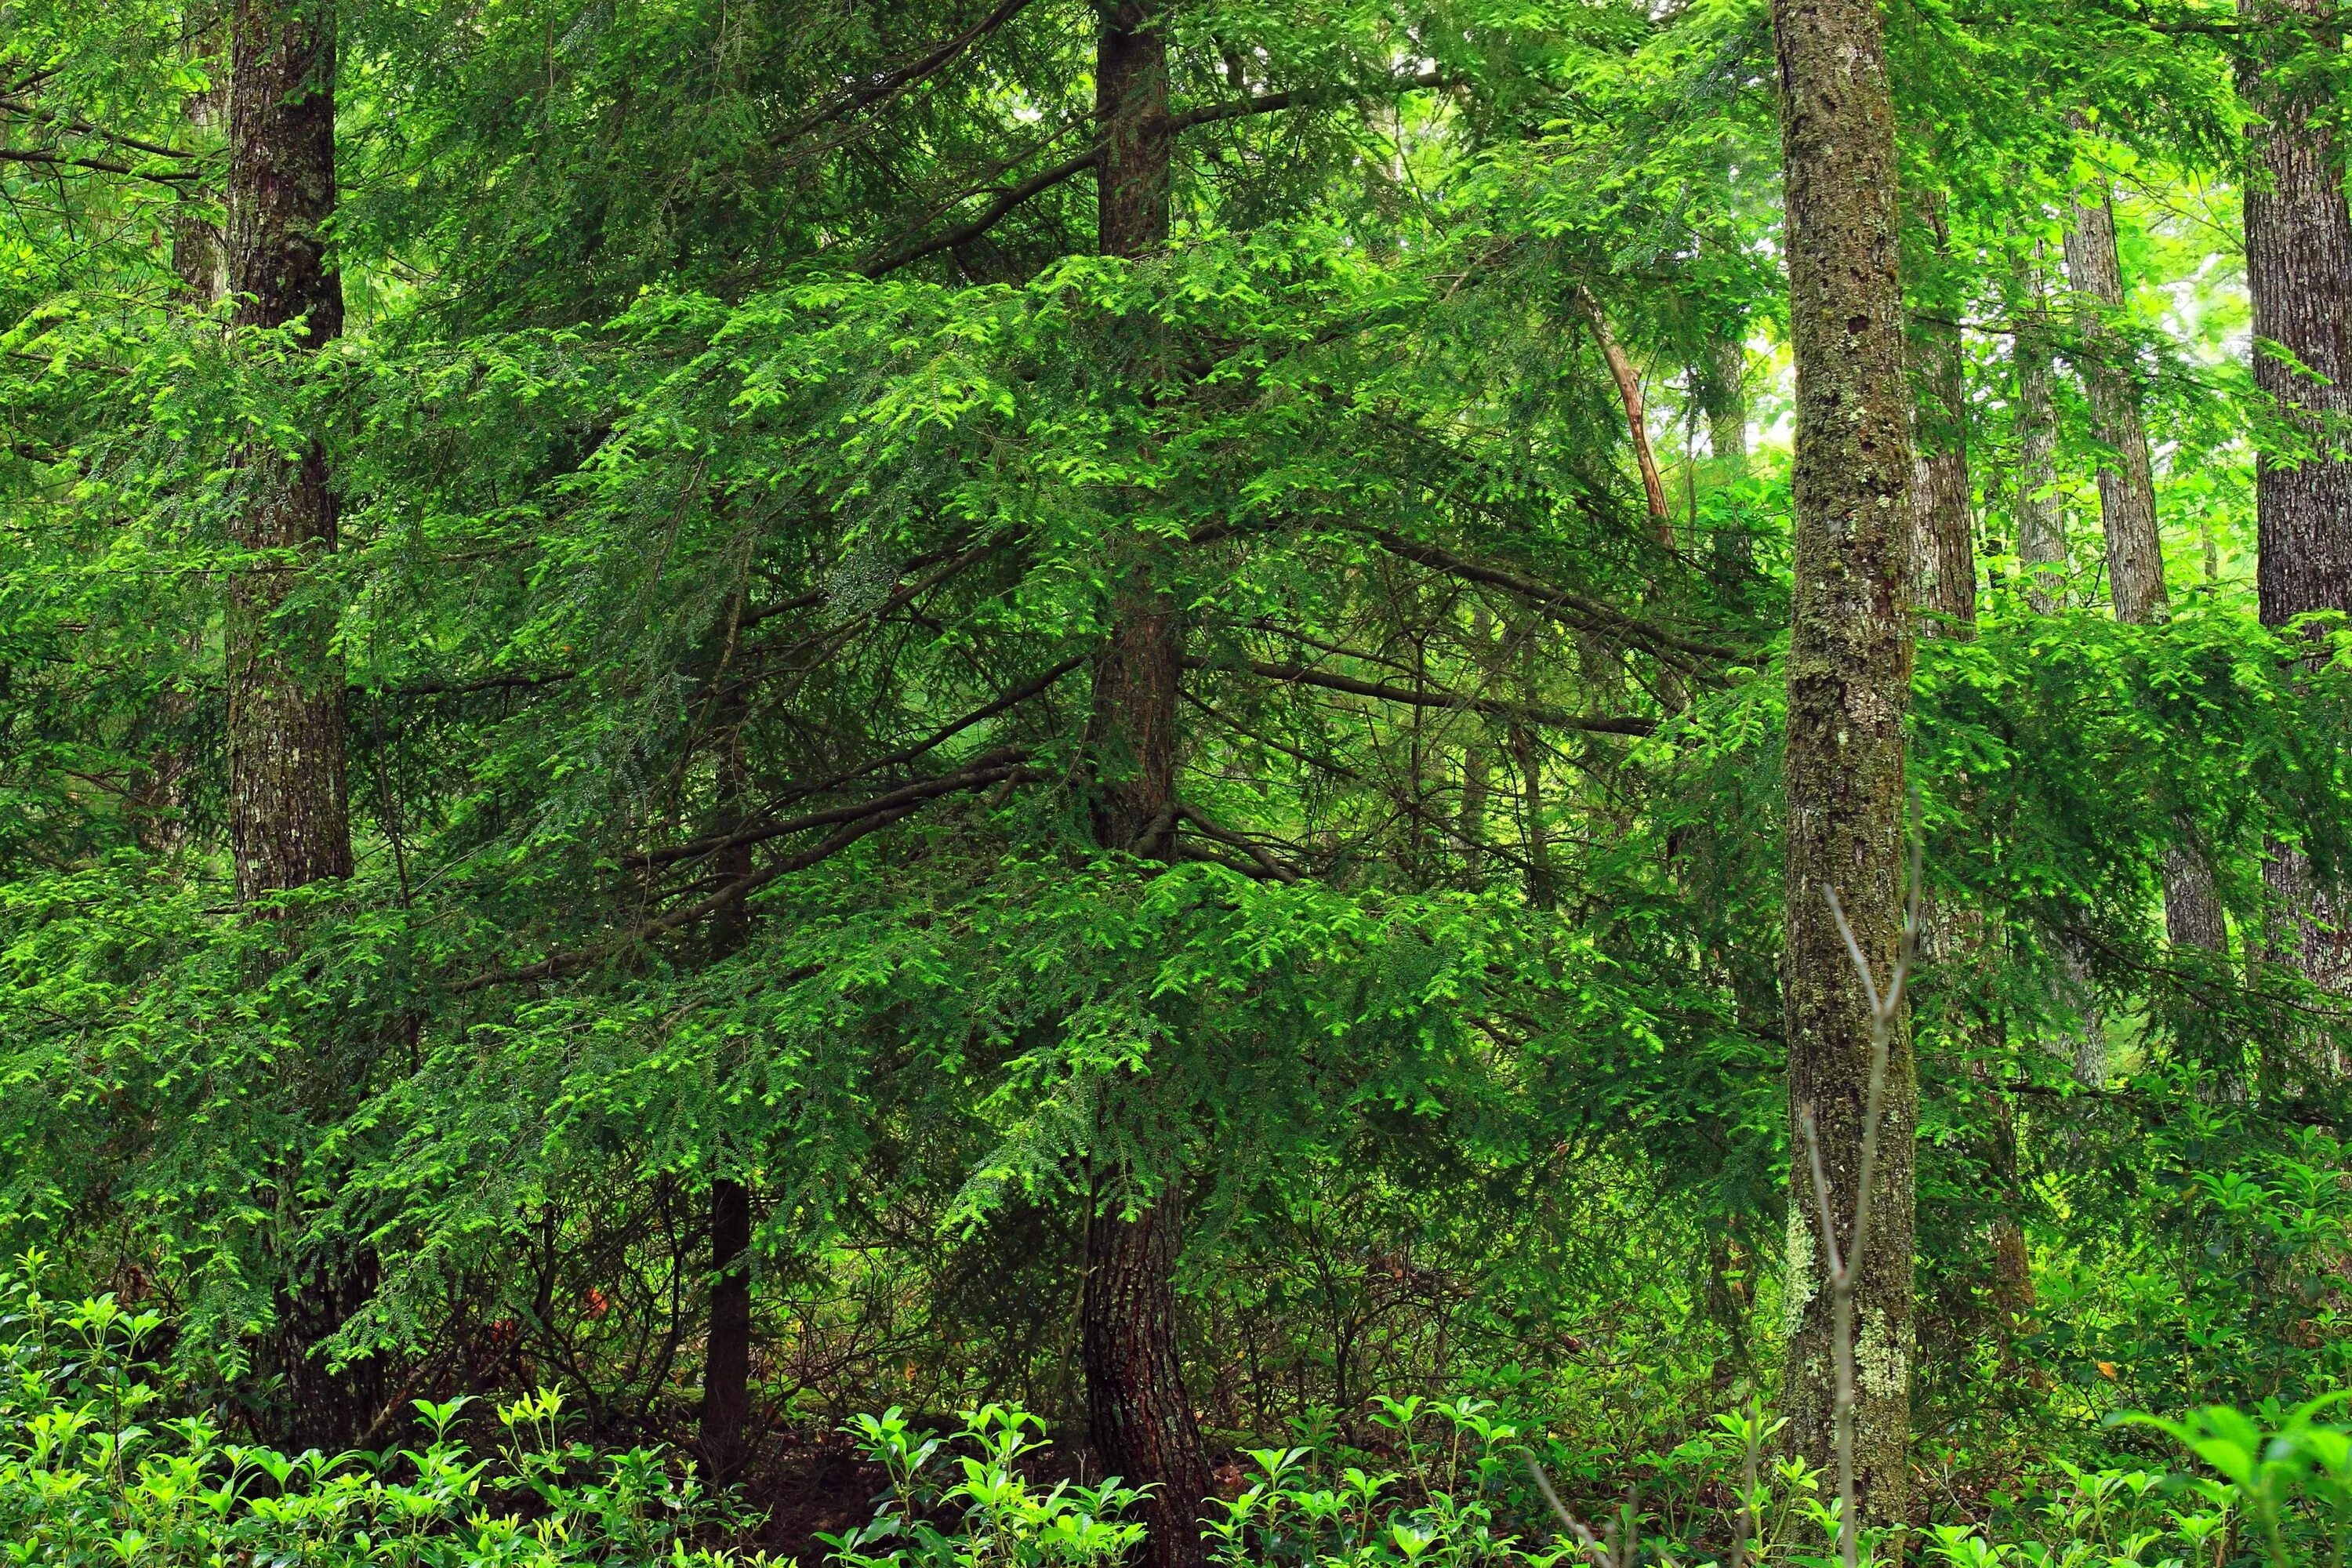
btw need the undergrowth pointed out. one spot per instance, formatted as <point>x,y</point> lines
<point>95,1470</point>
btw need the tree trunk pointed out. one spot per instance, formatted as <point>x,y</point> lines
<point>2127,486</point>
<point>1942,503</point>
<point>1723,397</point>
<point>1137,1417</point>
<point>1637,419</point>
<point>727,1356</point>
<point>288,818</point>
<point>289,821</point>
<point>2299,271</point>
<point>1849,687</point>
<point>726,1362</point>
<point>2041,551</point>
<point>2192,909</point>
<point>1137,1413</point>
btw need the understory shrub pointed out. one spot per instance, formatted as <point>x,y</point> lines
<point>95,1470</point>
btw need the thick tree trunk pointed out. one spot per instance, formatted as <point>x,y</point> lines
<point>2042,552</point>
<point>1137,1417</point>
<point>2299,271</point>
<point>2127,486</point>
<point>1849,687</point>
<point>1942,500</point>
<point>289,821</point>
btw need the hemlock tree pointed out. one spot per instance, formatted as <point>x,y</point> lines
<point>1849,687</point>
<point>2299,272</point>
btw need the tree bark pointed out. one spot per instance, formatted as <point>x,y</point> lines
<point>1137,1417</point>
<point>727,1361</point>
<point>1637,426</point>
<point>1942,502</point>
<point>727,1355</point>
<point>2041,551</point>
<point>2192,909</point>
<point>2299,271</point>
<point>2127,486</point>
<point>288,817</point>
<point>1849,687</point>
<point>1723,398</point>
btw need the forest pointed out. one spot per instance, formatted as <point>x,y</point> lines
<point>1050,784</point>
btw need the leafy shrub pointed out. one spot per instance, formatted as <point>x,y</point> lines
<point>93,1472</point>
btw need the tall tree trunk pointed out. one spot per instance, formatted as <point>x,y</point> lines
<point>1849,687</point>
<point>2127,486</point>
<point>727,1356</point>
<point>2299,271</point>
<point>1942,502</point>
<point>2041,551</point>
<point>289,820</point>
<point>1138,1415</point>
<point>1723,397</point>
<point>2192,906</point>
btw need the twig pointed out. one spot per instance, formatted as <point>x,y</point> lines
<point>1845,1270</point>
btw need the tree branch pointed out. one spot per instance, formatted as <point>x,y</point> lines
<point>890,83</point>
<point>1424,696</point>
<point>1553,601</point>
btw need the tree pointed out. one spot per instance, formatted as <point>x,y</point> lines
<point>289,823</point>
<point>288,808</point>
<point>1849,686</point>
<point>1138,1415</point>
<point>2299,271</point>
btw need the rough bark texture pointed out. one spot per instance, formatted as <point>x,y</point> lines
<point>2299,271</point>
<point>726,1363</point>
<point>288,822</point>
<point>1137,1417</point>
<point>1137,1414</point>
<point>2042,552</point>
<point>1947,520</point>
<point>1849,686</point>
<point>2127,486</point>
<point>1941,502</point>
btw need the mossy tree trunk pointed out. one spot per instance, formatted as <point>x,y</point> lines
<point>1849,687</point>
